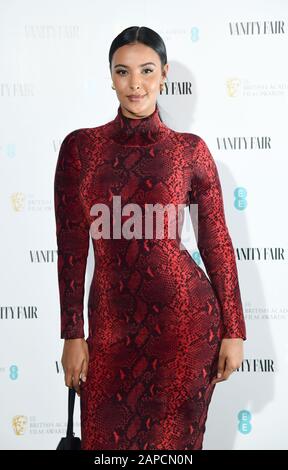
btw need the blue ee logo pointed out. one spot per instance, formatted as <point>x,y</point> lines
<point>13,372</point>
<point>194,36</point>
<point>244,425</point>
<point>197,258</point>
<point>240,201</point>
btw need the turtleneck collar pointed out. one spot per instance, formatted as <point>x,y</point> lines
<point>133,132</point>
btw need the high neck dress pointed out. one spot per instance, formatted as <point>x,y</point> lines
<point>156,320</point>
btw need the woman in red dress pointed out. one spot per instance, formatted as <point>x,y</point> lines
<point>161,333</point>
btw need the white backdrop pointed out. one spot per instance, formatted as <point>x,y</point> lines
<point>55,78</point>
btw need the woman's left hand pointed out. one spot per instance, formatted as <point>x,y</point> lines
<point>230,358</point>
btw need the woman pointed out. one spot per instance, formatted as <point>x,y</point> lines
<point>161,334</point>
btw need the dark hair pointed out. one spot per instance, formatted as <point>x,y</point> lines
<point>141,34</point>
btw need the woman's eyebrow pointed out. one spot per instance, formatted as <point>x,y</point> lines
<point>127,66</point>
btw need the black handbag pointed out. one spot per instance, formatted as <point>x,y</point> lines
<point>70,442</point>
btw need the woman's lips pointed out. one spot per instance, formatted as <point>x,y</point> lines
<point>136,98</point>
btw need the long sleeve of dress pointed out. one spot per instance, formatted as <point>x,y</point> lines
<point>214,241</point>
<point>72,231</point>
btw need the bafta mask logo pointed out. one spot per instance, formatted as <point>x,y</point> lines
<point>233,87</point>
<point>19,423</point>
<point>17,201</point>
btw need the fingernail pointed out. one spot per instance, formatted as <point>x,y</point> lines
<point>219,375</point>
<point>84,379</point>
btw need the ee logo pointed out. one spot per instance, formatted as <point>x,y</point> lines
<point>13,372</point>
<point>194,34</point>
<point>240,201</point>
<point>244,425</point>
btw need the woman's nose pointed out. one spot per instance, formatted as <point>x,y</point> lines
<point>134,86</point>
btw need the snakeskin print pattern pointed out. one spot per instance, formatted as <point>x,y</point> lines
<point>156,320</point>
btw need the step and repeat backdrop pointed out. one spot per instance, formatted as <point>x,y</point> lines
<point>228,83</point>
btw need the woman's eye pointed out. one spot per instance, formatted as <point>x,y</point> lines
<point>123,72</point>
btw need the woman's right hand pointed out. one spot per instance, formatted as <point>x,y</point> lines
<point>75,359</point>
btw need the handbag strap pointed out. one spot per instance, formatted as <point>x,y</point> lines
<point>71,401</point>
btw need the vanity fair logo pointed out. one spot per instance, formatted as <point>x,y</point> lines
<point>176,88</point>
<point>260,254</point>
<point>257,365</point>
<point>244,143</point>
<point>255,28</point>
<point>43,256</point>
<point>52,31</point>
<point>133,227</point>
<point>18,89</point>
<point>18,312</point>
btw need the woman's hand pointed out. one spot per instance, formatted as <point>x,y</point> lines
<point>75,359</point>
<point>230,358</point>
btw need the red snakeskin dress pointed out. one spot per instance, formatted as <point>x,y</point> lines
<point>155,319</point>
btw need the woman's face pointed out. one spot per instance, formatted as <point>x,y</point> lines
<point>136,70</point>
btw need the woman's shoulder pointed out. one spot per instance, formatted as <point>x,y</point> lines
<point>82,134</point>
<point>195,149</point>
<point>190,140</point>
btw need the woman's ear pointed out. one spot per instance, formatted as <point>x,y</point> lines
<point>165,71</point>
